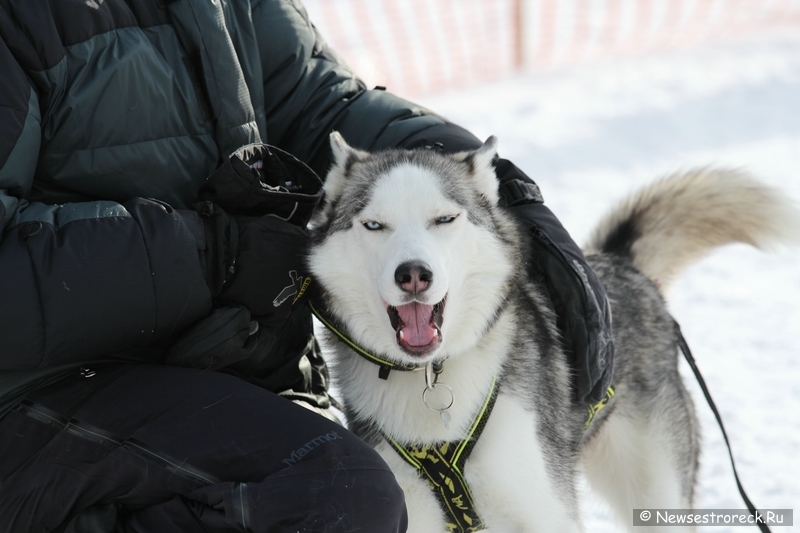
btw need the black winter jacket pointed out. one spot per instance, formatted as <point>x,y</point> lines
<point>112,114</point>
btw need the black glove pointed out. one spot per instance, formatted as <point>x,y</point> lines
<point>257,262</point>
<point>285,360</point>
<point>255,209</point>
<point>578,296</point>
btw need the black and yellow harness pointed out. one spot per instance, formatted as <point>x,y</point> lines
<point>441,465</point>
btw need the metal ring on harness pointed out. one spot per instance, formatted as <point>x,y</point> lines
<point>441,409</point>
<point>432,371</point>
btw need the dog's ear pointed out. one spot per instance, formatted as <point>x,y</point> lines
<point>344,156</point>
<point>483,174</point>
<point>340,149</point>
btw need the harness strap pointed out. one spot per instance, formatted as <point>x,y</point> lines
<point>442,466</point>
<point>594,408</point>
<point>689,359</point>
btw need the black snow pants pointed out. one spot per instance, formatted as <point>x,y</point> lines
<point>157,449</point>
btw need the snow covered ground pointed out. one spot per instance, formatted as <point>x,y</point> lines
<point>591,134</point>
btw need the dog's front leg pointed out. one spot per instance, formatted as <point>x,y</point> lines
<point>511,476</point>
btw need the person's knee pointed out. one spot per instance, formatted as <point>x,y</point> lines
<point>367,499</point>
<point>349,489</point>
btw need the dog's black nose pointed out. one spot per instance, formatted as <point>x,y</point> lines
<point>413,276</point>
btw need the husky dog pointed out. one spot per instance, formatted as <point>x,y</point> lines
<point>418,267</point>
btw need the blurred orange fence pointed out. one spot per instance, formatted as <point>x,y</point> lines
<point>420,46</point>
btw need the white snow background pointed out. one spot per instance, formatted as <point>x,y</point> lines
<point>591,134</point>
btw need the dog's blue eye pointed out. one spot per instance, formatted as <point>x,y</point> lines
<point>372,225</point>
<point>445,219</point>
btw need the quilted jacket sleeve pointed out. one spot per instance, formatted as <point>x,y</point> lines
<point>309,91</point>
<point>82,280</point>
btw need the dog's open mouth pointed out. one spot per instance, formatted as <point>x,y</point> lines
<point>418,326</point>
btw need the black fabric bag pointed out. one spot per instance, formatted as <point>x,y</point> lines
<point>578,297</point>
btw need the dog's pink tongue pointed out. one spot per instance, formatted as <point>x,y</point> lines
<point>417,329</point>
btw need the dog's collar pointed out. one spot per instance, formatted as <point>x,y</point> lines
<point>385,366</point>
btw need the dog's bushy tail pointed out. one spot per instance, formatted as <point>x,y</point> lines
<point>665,227</point>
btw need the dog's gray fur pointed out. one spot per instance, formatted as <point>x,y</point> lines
<point>650,423</point>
